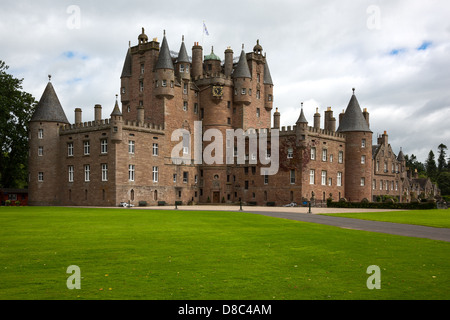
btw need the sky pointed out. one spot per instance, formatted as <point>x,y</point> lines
<point>396,54</point>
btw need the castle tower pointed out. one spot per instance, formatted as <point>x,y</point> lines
<point>301,129</point>
<point>183,64</point>
<point>242,80</point>
<point>358,173</point>
<point>44,171</point>
<point>197,60</point>
<point>165,77</point>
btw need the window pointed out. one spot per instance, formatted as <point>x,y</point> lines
<point>40,133</point>
<point>228,120</point>
<point>87,148</point>
<point>104,146</point>
<point>341,157</point>
<point>246,185</point>
<point>290,153</point>
<point>258,112</point>
<point>363,182</point>
<point>164,83</point>
<point>258,94</point>
<point>40,151</point>
<point>324,154</point>
<point>141,86</point>
<point>195,179</point>
<point>324,178</point>
<point>185,105</point>
<point>131,148</point>
<point>378,165</point>
<point>175,178</point>
<point>195,107</point>
<point>131,172</point>
<point>311,176</point>
<point>40,176</point>
<point>385,166</point>
<point>331,158</point>
<point>181,67</point>
<point>70,149</point>
<point>258,77</point>
<point>155,174</point>
<point>185,88</point>
<point>155,149</point>
<point>269,97</point>
<point>339,179</point>
<point>330,182</point>
<point>374,184</point>
<point>87,172</point>
<point>104,172</point>
<point>185,177</point>
<point>142,68</point>
<point>292,176</point>
<point>243,91</point>
<point>70,173</point>
<point>381,184</point>
<point>313,153</point>
<point>363,143</point>
<point>266,179</point>
<point>363,159</point>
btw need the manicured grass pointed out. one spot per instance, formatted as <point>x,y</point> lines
<point>439,218</point>
<point>144,254</point>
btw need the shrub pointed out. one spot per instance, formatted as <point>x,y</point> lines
<point>161,203</point>
<point>142,203</point>
<point>270,204</point>
<point>383,205</point>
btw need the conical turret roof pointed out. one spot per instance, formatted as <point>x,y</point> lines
<point>302,118</point>
<point>126,70</point>
<point>242,70</point>
<point>267,76</point>
<point>353,119</point>
<point>116,110</point>
<point>182,54</point>
<point>49,108</point>
<point>164,59</point>
<point>400,156</point>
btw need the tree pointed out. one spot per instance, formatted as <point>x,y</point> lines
<point>16,109</point>
<point>443,182</point>
<point>441,159</point>
<point>430,166</point>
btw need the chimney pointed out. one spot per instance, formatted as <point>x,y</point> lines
<point>98,113</point>
<point>341,115</point>
<point>366,116</point>
<point>317,119</point>
<point>228,62</point>
<point>276,119</point>
<point>328,117</point>
<point>78,116</point>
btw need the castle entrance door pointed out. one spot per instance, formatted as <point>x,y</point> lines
<point>216,197</point>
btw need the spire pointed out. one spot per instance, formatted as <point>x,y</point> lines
<point>126,70</point>
<point>49,108</point>
<point>302,118</point>
<point>182,54</point>
<point>116,111</point>
<point>267,76</point>
<point>164,59</point>
<point>242,70</point>
<point>353,119</point>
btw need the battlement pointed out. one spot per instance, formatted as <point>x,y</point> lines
<point>106,124</point>
<point>288,130</point>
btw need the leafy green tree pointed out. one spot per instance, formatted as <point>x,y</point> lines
<point>443,182</point>
<point>16,109</point>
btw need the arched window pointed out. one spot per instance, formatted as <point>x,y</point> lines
<point>155,195</point>
<point>132,194</point>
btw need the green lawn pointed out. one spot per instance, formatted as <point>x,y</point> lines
<point>431,218</point>
<point>144,254</point>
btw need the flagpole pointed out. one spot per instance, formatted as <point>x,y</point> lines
<point>203,33</point>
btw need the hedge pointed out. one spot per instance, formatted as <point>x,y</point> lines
<point>382,205</point>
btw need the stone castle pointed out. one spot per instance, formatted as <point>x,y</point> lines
<point>128,156</point>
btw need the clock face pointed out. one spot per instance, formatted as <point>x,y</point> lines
<point>217,91</point>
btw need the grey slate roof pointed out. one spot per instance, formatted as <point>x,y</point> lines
<point>242,70</point>
<point>126,70</point>
<point>400,156</point>
<point>116,110</point>
<point>182,54</point>
<point>267,76</point>
<point>302,118</point>
<point>49,108</point>
<point>164,59</point>
<point>353,119</point>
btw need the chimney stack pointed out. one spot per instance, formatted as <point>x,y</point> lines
<point>98,113</point>
<point>78,116</point>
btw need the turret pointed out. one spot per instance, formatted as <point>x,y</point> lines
<point>197,60</point>
<point>212,63</point>
<point>44,172</point>
<point>358,137</point>
<point>116,122</point>
<point>242,80</point>
<point>165,77</point>
<point>183,64</point>
<point>301,128</point>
